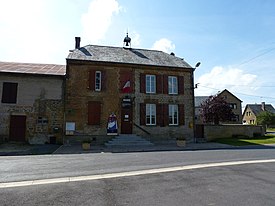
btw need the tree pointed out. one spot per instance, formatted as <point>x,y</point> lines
<point>266,118</point>
<point>215,109</point>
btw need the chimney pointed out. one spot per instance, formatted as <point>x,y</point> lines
<point>77,42</point>
<point>263,106</point>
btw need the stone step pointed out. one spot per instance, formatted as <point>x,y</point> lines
<point>201,140</point>
<point>128,140</point>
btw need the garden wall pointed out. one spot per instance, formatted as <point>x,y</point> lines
<point>212,132</point>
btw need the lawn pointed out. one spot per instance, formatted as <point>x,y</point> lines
<point>267,139</point>
<point>270,130</point>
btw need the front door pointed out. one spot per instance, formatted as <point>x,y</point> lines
<point>17,128</point>
<point>126,120</point>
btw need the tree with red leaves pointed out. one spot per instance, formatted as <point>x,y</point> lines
<point>215,110</point>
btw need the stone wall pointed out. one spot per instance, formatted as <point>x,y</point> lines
<point>167,132</point>
<point>78,95</point>
<point>212,132</point>
<point>40,99</point>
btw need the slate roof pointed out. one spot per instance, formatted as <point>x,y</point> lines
<point>199,100</point>
<point>127,56</point>
<point>31,68</point>
<point>257,108</point>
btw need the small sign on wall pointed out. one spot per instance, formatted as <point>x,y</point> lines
<point>70,128</point>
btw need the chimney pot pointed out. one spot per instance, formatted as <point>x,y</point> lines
<point>77,42</point>
<point>263,106</point>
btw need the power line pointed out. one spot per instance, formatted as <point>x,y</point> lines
<point>241,93</point>
<point>235,85</point>
<point>251,59</point>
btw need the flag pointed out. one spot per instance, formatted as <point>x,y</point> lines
<point>127,87</point>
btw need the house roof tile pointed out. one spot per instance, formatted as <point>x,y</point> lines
<point>31,68</point>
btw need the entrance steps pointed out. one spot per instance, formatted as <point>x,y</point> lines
<point>201,140</point>
<point>128,140</point>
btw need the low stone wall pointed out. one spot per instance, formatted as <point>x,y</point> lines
<point>212,132</point>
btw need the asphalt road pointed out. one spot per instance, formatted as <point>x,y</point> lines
<point>247,184</point>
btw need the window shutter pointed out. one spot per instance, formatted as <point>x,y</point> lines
<point>94,111</point>
<point>142,83</point>
<point>160,115</point>
<point>92,80</point>
<point>165,115</point>
<point>103,80</point>
<point>165,84</point>
<point>142,113</point>
<point>159,84</point>
<point>13,94</point>
<point>9,92</point>
<point>181,114</point>
<point>181,84</point>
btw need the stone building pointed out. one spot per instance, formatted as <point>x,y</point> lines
<point>234,102</point>
<point>251,112</point>
<point>150,92</point>
<point>31,107</point>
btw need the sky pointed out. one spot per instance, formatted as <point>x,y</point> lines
<point>233,39</point>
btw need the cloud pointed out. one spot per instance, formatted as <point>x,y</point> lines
<point>164,45</point>
<point>135,39</point>
<point>98,19</point>
<point>25,30</point>
<point>220,78</point>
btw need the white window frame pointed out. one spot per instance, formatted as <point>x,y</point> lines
<point>150,84</point>
<point>172,85</point>
<point>98,81</point>
<point>173,114</point>
<point>151,114</point>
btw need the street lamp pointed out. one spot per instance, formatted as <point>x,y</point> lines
<point>194,86</point>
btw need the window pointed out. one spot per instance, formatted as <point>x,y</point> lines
<point>173,85</point>
<point>173,114</point>
<point>150,84</point>
<point>98,81</point>
<point>150,114</point>
<point>9,93</point>
<point>233,105</point>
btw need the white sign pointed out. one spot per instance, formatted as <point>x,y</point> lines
<point>70,126</point>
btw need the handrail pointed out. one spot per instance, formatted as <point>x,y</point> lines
<point>142,129</point>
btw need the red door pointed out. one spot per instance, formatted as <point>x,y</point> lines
<point>17,128</point>
<point>126,120</point>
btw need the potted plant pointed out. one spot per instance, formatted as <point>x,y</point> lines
<point>181,141</point>
<point>86,144</point>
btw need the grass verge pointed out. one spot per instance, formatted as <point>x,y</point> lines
<point>270,130</point>
<point>267,139</point>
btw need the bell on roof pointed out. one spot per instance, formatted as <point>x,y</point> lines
<point>127,42</point>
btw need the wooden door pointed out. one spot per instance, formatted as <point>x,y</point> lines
<point>126,120</point>
<point>199,131</point>
<point>17,128</point>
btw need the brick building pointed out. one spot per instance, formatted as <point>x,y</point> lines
<point>31,107</point>
<point>150,92</point>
